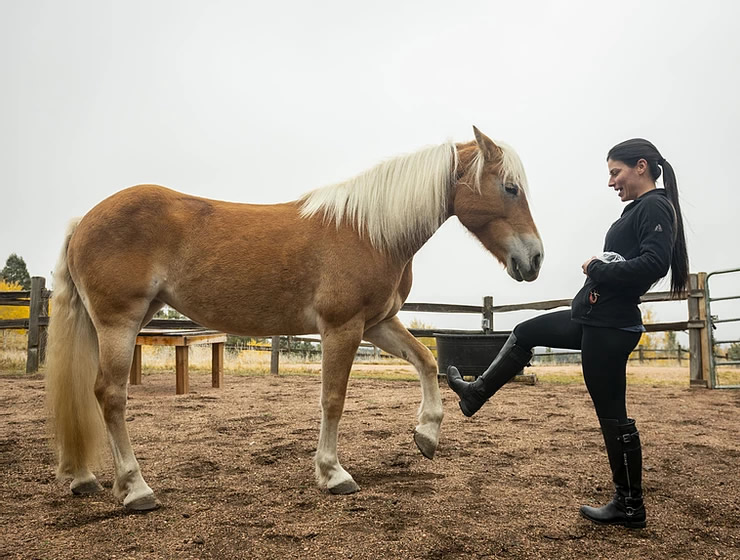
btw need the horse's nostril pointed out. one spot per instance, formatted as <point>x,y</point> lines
<point>537,260</point>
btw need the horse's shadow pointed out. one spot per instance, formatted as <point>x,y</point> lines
<point>396,473</point>
<point>81,518</point>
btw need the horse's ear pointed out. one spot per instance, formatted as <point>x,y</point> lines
<point>488,148</point>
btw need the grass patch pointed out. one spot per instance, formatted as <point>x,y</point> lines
<point>658,376</point>
<point>728,375</point>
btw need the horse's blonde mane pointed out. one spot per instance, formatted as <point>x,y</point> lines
<point>398,204</point>
<point>512,169</point>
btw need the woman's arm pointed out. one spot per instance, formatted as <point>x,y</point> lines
<point>655,231</point>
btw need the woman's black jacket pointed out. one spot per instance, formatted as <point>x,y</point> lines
<point>644,236</point>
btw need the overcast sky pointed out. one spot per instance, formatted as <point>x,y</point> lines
<point>262,101</point>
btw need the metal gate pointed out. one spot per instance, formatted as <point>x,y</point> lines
<point>716,357</point>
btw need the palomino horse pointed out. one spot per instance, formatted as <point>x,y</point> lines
<point>336,262</point>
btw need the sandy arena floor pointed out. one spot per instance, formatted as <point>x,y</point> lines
<point>233,469</point>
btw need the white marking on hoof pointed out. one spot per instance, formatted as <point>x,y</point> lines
<point>142,503</point>
<point>346,487</point>
<point>85,487</point>
<point>426,442</point>
<point>139,496</point>
<point>341,482</point>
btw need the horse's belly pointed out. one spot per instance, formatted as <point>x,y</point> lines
<point>248,310</point>
<point>249,315</point>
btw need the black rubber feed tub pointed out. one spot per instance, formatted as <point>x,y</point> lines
<point>471,354</point>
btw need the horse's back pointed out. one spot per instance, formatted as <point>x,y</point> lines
<point>149,229</point>
<point>159,219</point>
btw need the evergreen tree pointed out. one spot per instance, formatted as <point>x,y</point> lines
<point>15,272</point>
<point>670,342</point>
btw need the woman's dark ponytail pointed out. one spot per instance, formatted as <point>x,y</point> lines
<point>630,152</point>
<point>680,257</point>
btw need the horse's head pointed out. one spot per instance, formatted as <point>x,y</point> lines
<point>490,199</point>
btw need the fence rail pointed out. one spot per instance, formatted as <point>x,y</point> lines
<point>700,357</point>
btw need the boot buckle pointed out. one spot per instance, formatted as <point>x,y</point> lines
<point>627,438</point>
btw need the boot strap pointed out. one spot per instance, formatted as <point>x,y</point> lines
<point>627,438</point>
<point>631,505</point>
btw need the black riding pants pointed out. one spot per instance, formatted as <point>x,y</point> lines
<point>604,353</point>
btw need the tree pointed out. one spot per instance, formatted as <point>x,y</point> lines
<point>428,341</point>
<point>734,352</point>
<point>421,325</point>
<point>15,272</point>
<point>652,340</point>
<point>168,313</point>
<point>669,341</point>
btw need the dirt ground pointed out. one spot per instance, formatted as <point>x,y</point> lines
<point>233,469</point>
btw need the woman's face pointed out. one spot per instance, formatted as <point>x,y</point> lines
<point>629,182</point>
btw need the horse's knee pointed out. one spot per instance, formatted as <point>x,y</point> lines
<point>425,362</point>
<point>332,406</point>
<point>430,367</point>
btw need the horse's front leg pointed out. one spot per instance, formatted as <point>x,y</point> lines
<point>394,338</point>
<point>339,346</point>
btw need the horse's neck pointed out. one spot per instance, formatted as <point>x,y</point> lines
<point>398,205</point>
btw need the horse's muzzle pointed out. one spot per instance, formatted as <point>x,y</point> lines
<point>525,270</point>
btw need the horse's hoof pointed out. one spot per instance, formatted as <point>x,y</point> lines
<point>426,445</point>
<point>87,488</point>
<point>144,503</point>
<point>346,487</point>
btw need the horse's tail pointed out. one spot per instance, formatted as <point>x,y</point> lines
<point>72,366</point>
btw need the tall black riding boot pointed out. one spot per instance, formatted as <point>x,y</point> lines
<point>625,459</point>
<point>509,361</point>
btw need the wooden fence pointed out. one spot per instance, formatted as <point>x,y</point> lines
<point>37,299</point>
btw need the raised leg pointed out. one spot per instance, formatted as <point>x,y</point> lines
<point>339,345</point>
<point>116,353</point>
<point>394,338</point>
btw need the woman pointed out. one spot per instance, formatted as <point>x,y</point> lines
<point>604,321</point>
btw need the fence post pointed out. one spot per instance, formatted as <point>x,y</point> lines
<point>487,324</point>
<point>707,336</point>
<point>32,358</point>
<point>44,329</point>
<point>275,355</point>
<point>698,343</point>
<point>696,335</point>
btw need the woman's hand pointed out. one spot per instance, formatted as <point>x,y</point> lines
<point>584,266</point>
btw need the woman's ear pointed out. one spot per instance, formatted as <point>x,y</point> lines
<point>642,166</point>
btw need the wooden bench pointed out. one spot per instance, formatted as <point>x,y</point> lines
<point>181,340</point>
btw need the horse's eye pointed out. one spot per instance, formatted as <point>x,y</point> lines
<point>511,188</point>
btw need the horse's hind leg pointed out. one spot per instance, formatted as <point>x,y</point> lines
<point>394,338</point>
<point>116,354</point>
<point>338,352</point>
